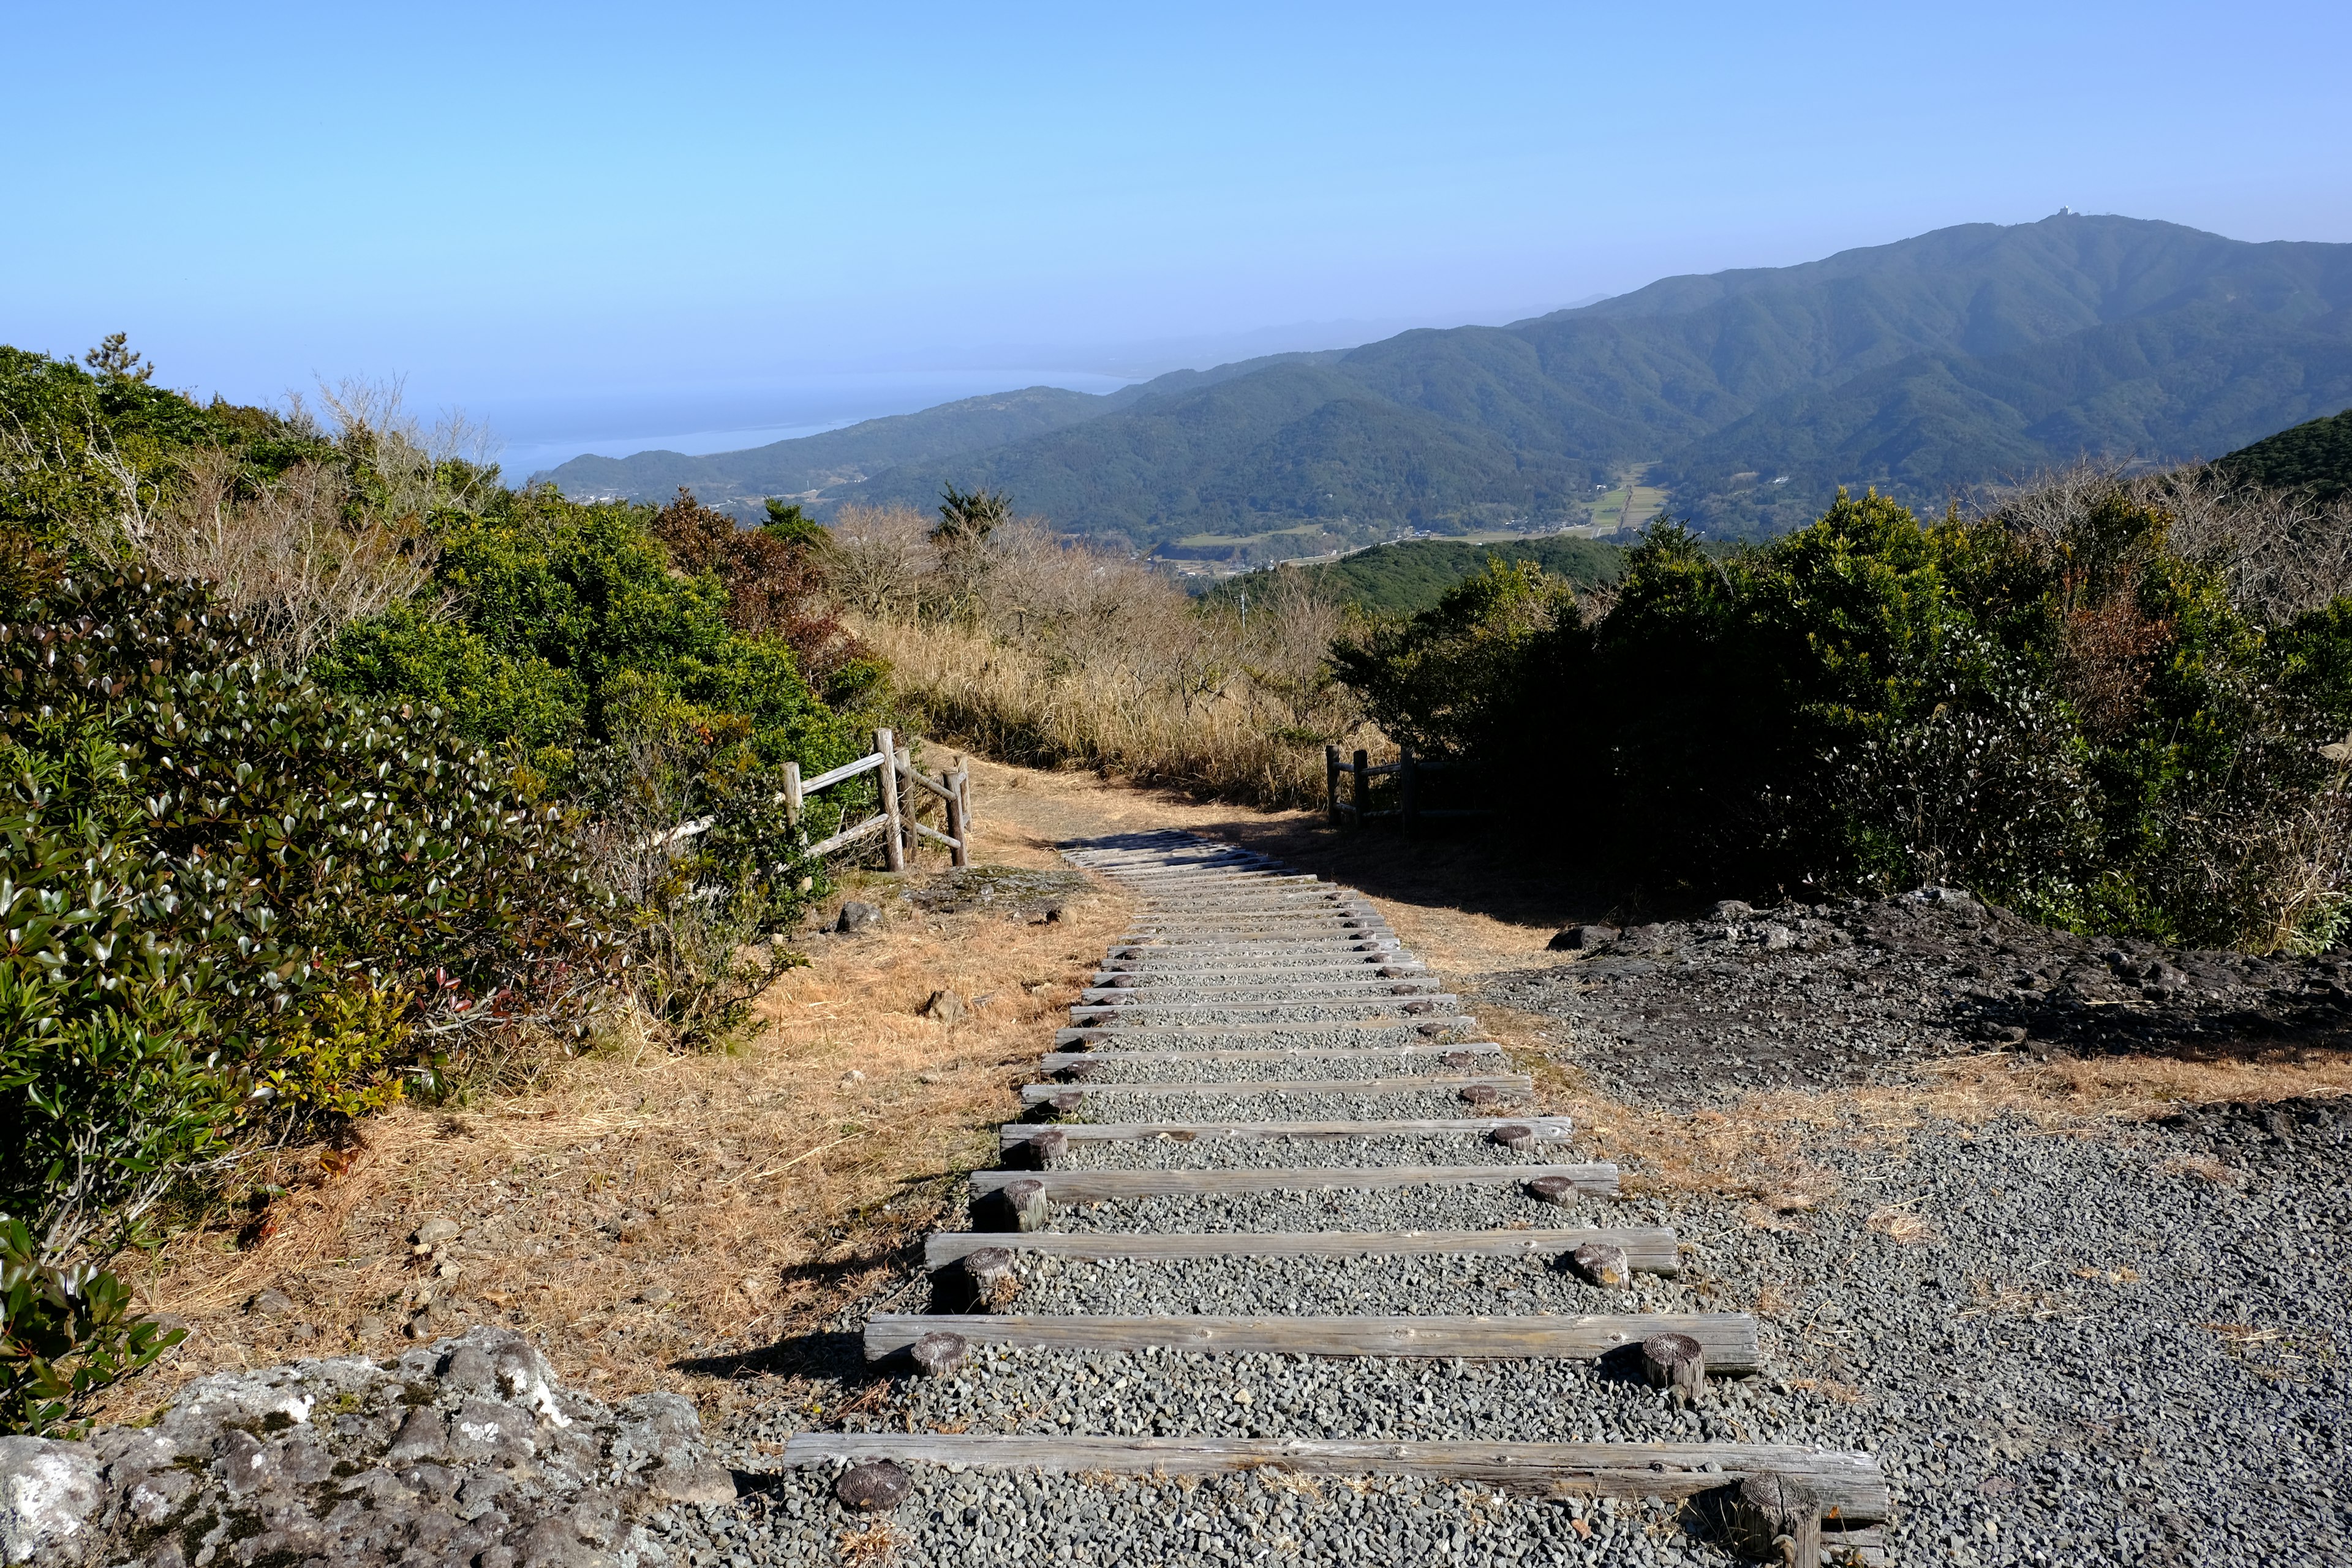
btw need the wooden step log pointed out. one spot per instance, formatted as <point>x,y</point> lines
<point>1540,1130</point>
<point>1851,1484</point>
<point>1505,1085</point>
<point>1062,1061</point>
<point>1653,1250</point>
<point>1132,943</point>
<point>1128,973</point>
<point>1266,984</point>
<point>1114,1034</point>
<point>1729,1338</point>
<point>1414,1006</point>
<point>1598,1180</point>
<point>1284,921</point>
<point>1357,969</point>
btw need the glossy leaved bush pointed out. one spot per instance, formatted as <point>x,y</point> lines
<point>2063,707</point>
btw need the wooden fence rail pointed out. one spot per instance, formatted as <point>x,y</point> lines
<point>1408,813</point>
<point>897,821</point>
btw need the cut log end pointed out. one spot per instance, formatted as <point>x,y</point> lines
<point>1080,1072</point>
<point>1675,1362</point>
<point>1026,1199</point>
<point>1552,1190</point>
<point>1776,1518</point>
<point>1067,1103</point>
<point>1480,1094</point>
<point>875,1487</point>
<point>988,1272</point>
<point>1603,1264</point>
<point>1050,1149</point>
<point>1516,1136</point>
<point>936,1356</point>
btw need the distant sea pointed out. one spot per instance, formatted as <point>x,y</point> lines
<point>543,430</point>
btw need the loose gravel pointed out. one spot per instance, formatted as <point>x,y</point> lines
<point>1685,1014</point>
<point>1445,1286</point>
<point>2122,1348</point>
<point>1429,1105</point>
<point>1163,1153</point>
<point>1292,1064</point>
<point>1498,1207</point>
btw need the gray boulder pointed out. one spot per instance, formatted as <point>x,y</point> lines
<point>48,1492</point>
<point>463,1451</point>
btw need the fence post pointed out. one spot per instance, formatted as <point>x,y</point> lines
<point>1363,784</point>
<point>963,788</point>
<point>910,807</point>
<point>1331,782</point>
<point>894,851</point>
<point>1408,792</point>
<point>792,798</point>
<point>958,828</point>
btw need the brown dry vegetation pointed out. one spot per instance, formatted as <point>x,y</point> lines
<point>763,1189</point>
<point>1040,650</point>
<point>774,1198</point>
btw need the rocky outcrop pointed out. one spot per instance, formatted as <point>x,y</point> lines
<point>462,1452</point>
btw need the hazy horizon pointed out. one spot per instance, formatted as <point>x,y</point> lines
<point>606,227</point>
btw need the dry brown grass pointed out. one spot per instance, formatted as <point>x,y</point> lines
<point>764,1190</point>
<point>1048,653</point>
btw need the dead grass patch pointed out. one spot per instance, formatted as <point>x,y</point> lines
<point>1898,1224</point>
<point>2021,1301</point>
<point>658,1220</point>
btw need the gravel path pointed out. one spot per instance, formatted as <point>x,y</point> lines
<point>1267,1154</point>
<point>1291,1064</point>
<point>2125,1348</point>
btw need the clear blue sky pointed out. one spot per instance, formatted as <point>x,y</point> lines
<point>507,201</point>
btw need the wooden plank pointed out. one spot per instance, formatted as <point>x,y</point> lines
<point>1850,1483</point>
<point>1651,1248</point>
<point>1115,1032</point>
<point>849,836</point>
<point>1346,941</point>
<point>1056,1061</point>
<point>847,771</point>
<point>1502,1083</point>
<point>1402,1005</point>
<point>1547,1130</point>
<point>1727,1338</point>
<point>1110,1186</point>
<point>1367,981</point>
<point>1365,971</point>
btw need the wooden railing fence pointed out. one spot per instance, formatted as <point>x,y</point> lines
<point>1408,813</point>
<point>897,821</point>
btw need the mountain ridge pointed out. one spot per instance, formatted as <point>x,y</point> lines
<point>1926,366</point>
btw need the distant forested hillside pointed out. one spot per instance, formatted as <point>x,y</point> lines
<point>2315,459</point>
<point>1967,355</point>
<point>1412,576</point>
<point>838,459</point>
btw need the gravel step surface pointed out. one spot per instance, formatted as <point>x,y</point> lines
<point>991,1518</point>
<point>1113,1068</point>
<point>1447,1285</point>
<point>1300,1153</point>
<point>1481,1208</point>
<point>1117,1106</point>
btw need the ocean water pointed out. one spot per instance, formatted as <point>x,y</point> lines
<point>540,430</point>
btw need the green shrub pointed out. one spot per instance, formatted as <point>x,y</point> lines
<point>65,1334</point>
<point>326,895</point>
<point>2058,705</point>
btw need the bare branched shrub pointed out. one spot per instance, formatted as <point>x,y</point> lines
<point>881,556</point>
<point>1046,651</point>
<point>2281,553</point>
<point>284,551</point>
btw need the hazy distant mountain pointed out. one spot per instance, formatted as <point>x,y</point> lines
<point>1963,355</point>
<point>839,459</point>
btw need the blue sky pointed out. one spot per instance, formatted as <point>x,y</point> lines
<point>669,213</point>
